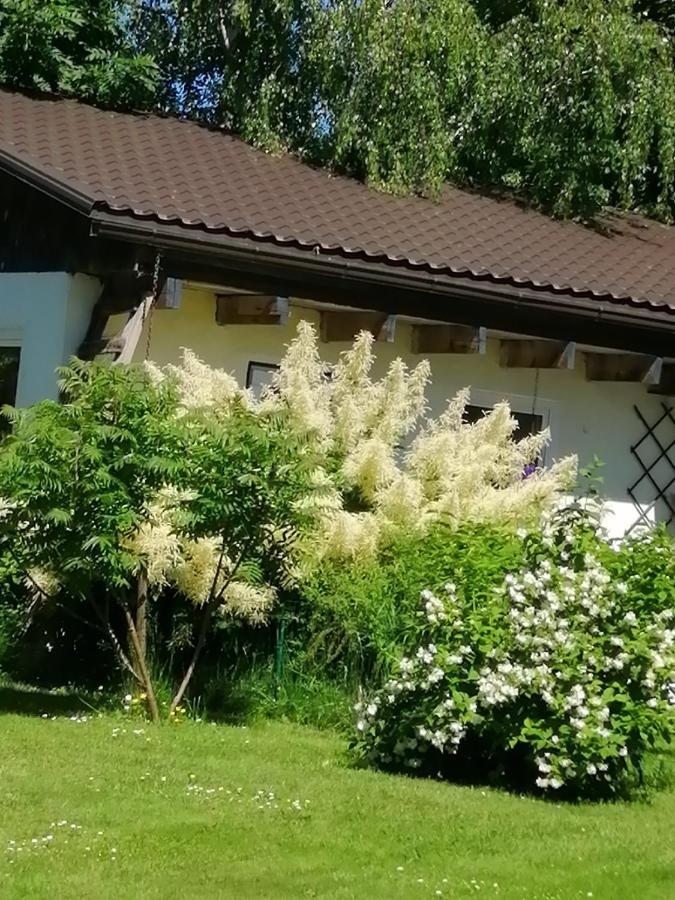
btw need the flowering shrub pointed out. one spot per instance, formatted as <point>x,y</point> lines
<point>561,681</point>
<point>133,485</point>
<point>368,491</point>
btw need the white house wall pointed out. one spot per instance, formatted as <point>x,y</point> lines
<point>46,315</point>
<point>586,418</point>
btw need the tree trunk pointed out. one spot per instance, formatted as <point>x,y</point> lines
<point>153,708</point>
<point>142,613</point>
<point>199,646</point>
<point>124,660</point>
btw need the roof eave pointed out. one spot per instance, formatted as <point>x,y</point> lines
<point>47,184</point>
<point>622,324</point>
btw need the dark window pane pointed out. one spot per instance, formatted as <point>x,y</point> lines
<point>9,373</point>
<point>528,423</point>
<point>260,376</point>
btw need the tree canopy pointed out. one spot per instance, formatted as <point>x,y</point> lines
<point>568,104</point>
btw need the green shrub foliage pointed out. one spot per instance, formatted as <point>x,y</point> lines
<point>356,619</point>
<point>117,495</point>
<point>559,681</point>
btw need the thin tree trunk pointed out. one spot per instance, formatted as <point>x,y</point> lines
<point>197,652</point>
<point>153,708</point>
<point>142,612</point>
<point>215,598</point>
<point>117,646</point>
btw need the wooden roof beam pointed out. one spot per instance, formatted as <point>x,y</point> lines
<point>534,354</point>
<point>337,325</point>
<point>448,339</point>
<point>624,367</point>
<point>251,309</point>
<point>666,385</point>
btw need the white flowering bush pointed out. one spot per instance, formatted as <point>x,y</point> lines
<point>360,615</point>
<point>382,467</point>
<point>561,681</point>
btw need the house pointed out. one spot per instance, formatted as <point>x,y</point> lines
<point>103,213</point>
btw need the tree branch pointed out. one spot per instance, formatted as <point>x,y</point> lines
<point>145,675</point>
<point>114,640</point>
<point>210,607</point>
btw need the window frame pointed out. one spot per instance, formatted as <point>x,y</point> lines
<point>255,365</point>
<point>522,403</point>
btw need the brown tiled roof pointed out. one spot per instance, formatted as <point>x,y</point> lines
<point>174,172</point>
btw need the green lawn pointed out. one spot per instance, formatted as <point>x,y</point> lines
<point>275,811</point>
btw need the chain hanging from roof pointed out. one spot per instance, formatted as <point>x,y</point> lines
<point>150,303</point>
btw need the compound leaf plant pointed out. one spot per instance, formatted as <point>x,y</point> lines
<point>117,492</point>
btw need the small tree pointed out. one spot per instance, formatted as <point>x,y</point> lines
<point>118,491</point>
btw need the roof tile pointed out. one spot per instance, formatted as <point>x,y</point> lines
<point>175,171</point>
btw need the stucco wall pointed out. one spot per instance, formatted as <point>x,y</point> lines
<point>587,418</point>
<point>46,314</point>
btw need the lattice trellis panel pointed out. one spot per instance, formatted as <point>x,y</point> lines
<point>654,490</point>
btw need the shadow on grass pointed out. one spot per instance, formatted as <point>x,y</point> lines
<point>25,701</point>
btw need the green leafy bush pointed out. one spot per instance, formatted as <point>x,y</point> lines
<point>11,602</point>
<point>560,679</point>
<point>121,493</point>
<point>362,615</point>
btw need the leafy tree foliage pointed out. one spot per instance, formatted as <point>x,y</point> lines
<point>83,486</point>
<point>80,47</point>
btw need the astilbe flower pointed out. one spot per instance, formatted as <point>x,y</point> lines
<point>247,601</point>
<point>155,541</point>
<point>200,385</point>
<point>452,471</point>
<point>197,568</point>
<point>346,535</point>
<point>401,505</point>
<point>370,466</point>
<point>195,573</point>
<point>356,428</point>
<point>301,389</point>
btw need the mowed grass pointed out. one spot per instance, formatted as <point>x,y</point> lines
<point>276,811</point>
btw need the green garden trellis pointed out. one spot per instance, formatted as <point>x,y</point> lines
<point>279,654</point>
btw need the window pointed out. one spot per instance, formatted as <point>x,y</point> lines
<point>528,423</point>
<point>9,374</point>
<point>259,376</point>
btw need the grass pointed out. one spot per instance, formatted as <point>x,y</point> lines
<point>186,812</point>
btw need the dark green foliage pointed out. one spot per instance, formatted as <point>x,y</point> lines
<point>647,567</point>
<point>243,477</point>
<point>11,604</point>
<point>363,616</point>
<point>80,47</point>
<point>77,475</point>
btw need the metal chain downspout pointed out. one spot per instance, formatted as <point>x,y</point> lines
<point>149,309</point>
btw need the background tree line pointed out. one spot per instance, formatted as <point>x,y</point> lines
<point>568,104</point>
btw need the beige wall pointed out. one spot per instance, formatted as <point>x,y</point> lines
<point>585,418</point>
